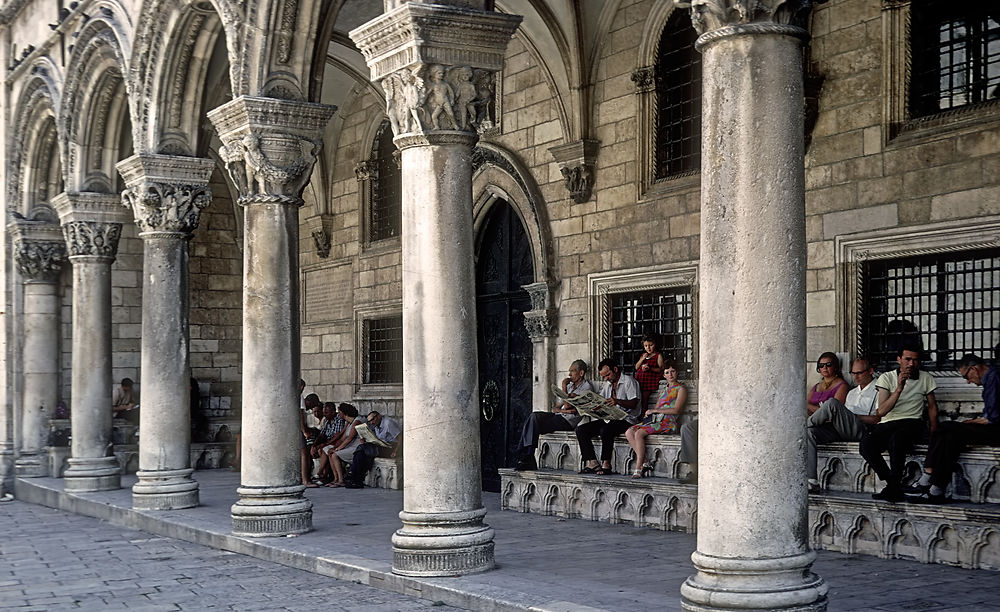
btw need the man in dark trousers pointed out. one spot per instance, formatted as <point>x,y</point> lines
<point>387,430</point>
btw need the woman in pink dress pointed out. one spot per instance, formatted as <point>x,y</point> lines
<point>659,420</point>
<point>832,385</point>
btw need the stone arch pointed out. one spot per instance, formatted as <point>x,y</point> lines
<point>945,546</point>
<point>34,152</point>
<point>550,500</point>
<point>170,61</point>
<point>862,537</point>
<point>499,175</point>
<point>986,550</point>
<point>903,542</point>
<point>825,533</point>
<point>95,107</point>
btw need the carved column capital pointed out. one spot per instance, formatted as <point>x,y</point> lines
<point>270,146</point>
<point>715,19</point>
<point>644,79</point>
<point>437,66</point>
<point>166,193</point>
<point>92,239</point>
<point>39,250</point>
<point>366,170</point>
<point>576,162</point>
<point>541,320</point>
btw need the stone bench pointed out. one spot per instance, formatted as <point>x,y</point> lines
<point>386,473</point>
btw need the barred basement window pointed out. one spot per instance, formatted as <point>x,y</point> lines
<point>385,210</point>
<point>667,312</point>
<point>948,304</point>
<point>678,89</point>
<point>383,359</point>
<point>955,46</point>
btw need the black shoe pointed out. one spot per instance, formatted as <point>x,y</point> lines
<point>527,464</point>
<point>927,498</point>
<point>891,494</point>
<point>916,489</point>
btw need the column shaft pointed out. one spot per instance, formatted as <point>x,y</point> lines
<point>165,416</point>
<point>753,545</point>
<point>90,468</point>
<point>41,374</point>
<point>271,501</point>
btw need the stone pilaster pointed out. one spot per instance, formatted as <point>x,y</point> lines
<point>270,147</point>
<point>540,322</point>
<point>39,253</point>
<point>576,163</point>
<point>91,224</point>
<point>436,64</point>
<point>753,541</point>
<point>166,195</point>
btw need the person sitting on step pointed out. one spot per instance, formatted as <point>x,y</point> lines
<point>562,418</point>
<point>385,429</point>
<point>951,437</point>
<point>328,429</point>
<point>621,390</point>
<point>831,385</point>
<point>342,447</point>
<point>659,420</point>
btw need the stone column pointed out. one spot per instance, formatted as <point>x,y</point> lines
<point>753,542</point>
<point>540,322</point>
<point>436,64</point>
<point>39,252</point>
<point>91,224</point>
<point>270,147</point>
<point>166,195</point>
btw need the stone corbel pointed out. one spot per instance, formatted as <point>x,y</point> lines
<point>38,246</point>
<point>270,146</point>
<point>321,230</point>
<point>541,320</point>
<point>644,79</point>
<point>166,193</point>
<point>576,162</point>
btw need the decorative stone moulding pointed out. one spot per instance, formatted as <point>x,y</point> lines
<point>166,193</point>
<point>437,64</point>
<point>269,146</point>
<point>39,248</point>
<point>576,162</point>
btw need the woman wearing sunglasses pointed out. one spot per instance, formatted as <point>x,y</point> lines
<point>832,385</point>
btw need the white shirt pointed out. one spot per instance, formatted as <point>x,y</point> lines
<point>627,389</point>
<point>863,401</point>
<point>388,430</point>
<point>572,389</point>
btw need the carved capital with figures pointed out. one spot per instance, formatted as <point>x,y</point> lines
<point>39,249</point>
<point>714,19</point>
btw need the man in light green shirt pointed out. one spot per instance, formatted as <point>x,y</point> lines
<point>901,398</point>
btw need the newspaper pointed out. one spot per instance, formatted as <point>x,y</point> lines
<point>368,435</point>
<point>592,405</point>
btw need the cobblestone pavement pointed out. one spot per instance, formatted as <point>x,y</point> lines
<point>52,560</point>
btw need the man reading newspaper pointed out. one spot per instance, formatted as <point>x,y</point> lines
<point>381,438</point>
<point>614,411</point>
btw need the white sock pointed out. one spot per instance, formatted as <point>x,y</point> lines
<point>936,490</point>
<point>925,479</point>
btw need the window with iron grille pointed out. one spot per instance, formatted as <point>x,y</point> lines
<point>383,342</point>
<point>666,312</point>
<point>385,208</point>
<point>947,304</point>
<point>678,89</point>
<point>955,46</point>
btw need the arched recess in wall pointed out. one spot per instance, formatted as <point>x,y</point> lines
<point>95,113</point>
<point>34,153</point>
<point>498,175</point>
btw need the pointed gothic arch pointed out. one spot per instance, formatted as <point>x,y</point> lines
<point>34,151</point>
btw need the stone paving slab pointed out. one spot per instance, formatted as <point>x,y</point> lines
<point>544,563</point>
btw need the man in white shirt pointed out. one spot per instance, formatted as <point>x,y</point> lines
<point>386,430</point>
<point>837,422</point>
<point>562,418</point>
<point>621,390</point>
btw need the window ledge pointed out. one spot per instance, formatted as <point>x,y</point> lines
<point>965,119</point>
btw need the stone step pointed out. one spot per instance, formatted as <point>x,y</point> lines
<point>840,465</point>
<point>962,534</point>
<point>204,456</point>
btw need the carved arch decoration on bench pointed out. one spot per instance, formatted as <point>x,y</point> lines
<point>904,534</point>
<point>986,550</point>
<point>946,538</point>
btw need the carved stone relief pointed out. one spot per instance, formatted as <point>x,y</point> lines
<point>39,259</point>
<point>165,207</point>
<point>92,238</point>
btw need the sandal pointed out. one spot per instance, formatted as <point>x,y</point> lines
<point>311,485</point>
<point>647,469</point>
<point>588,470</point>
<point>334,485</point>
<point>638,473</point>
<point>605,471</point>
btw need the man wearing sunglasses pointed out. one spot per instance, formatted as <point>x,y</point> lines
<point>842,422</point>
<point>952,437</point>
<point>385,429</point>
<point>901,398</point>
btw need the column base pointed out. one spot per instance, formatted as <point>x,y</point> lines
<point>271,511</point>
<point>164,490</point>
<point>442,544</point>
<point>92,474</point>
<point>725,584</point>
<point>31,465</point>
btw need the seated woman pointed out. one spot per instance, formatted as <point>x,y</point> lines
<point>341,448</point>
<point>832,385</point>
<point>659,420</point>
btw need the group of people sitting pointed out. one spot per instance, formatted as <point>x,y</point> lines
<point>333,453</point>
<point>888,414</point>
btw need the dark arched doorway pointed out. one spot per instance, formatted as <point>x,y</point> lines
<point>504,264</point>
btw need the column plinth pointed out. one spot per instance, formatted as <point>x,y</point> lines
<point>91,224</point>
<point>435,127</point>
<point>753,541</point>
<point>270,147</point>
<point>39,252</point>
<point>166,195</point>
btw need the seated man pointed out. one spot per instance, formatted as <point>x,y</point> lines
<point>328,429</point>
<point>901,398</point>
<point>834,421</point>
<point>621,390</point>
<point>387,430</point>
<point>952,437</point>
<point>310,417</point>
<point>125,402</point>
<point>562,418</point>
